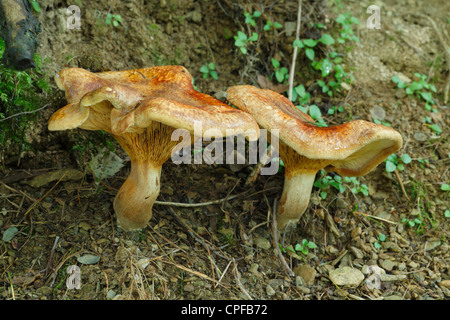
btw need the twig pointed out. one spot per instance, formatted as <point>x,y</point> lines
<point>25,112</point>
<point>294,56</point>
<point>275,241</point>
<point>401,184</point>
<point>179,204</point>
<point>257,169</point>
<point>238,281</point>
<point>52,252</point>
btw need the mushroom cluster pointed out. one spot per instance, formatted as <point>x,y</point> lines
<point>351,149</point>
<point>141,109</point>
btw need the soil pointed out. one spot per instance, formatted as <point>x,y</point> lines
<point>227,250</point>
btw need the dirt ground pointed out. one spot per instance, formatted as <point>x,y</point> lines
<point>227,250</point>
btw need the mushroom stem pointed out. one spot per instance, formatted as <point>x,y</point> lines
<point>134,201</point>
<point>295,197</point>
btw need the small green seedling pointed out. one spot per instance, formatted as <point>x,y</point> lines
<point>412,222</point>
<point>250,18</point>
<point>304,246</point>
<point>445,187</point>
<point>115,19</point>
<point>393,162</point>
<point>421,89</point>
<point>381,238</point>
<point>241,40</point>
<point>299,93</point>
<point>269,25</point>
<point>281,73</point>
<point>208,70</point>
<point>340,184</point>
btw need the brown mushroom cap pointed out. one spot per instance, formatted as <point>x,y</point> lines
<point>137,97</point>
<point>350,149</point>
<point>141,108</point>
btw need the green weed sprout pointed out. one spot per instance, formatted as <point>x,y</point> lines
<point>242,40</point>
<point>208,70</point>
<point>393,162</point>
<point>281,73</point>
<point>381,238</point>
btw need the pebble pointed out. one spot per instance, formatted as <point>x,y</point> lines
<point>346,276</point>
<point>388,265</point>
<point>262,243</point>
<point>445,283</point>
<point>392,277</point>
<point>378,112</point>
<point>270,291</point>
<point>306,272</point>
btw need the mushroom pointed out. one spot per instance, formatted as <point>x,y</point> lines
<point>141,109</point>
<point>351,149</point>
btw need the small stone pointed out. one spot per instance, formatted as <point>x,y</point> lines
<point>388,265</point>
<point>378,112</point>
<point>290,27</point>
<point>358,253</point>
<point>270,291</point>
<point>188,287</point>
<point>400,93</point>
<point>262,243</point>
<point>413,264</point>
<point>306,272</point>
<point>445,283</point>
<point>346,276</point>
<point>420,136</point>
<point>392,277</point>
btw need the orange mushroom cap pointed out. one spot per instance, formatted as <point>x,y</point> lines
<point>351,149</point>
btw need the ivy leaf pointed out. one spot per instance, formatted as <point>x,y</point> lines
<point>326,39</point>
<point>310,53</point>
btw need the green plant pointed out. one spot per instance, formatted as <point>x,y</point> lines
<point>19,100</point>
<point>269,25</point>
<point>381,238</point>
<point>314,112</point>
<point>250,17</point>
<point>421,89</point>
<point>35,6</point>
<point>281,73</point>
<point>393,162</point>
<point>346,20</point>
<point>242,41</point>
<point>300,95</point>
<point>445,187</point>
<point>302,248</point>
<point>115,19</point>
<point>340,184</point>
<point>208,70</point>
<point>412,222</point>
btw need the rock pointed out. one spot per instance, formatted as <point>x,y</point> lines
<point>290,27</point>
<point>306,272</point>
<point>445,283</point>
<point>262,243</point>
<point>388,265</point>
<point>270,291</point>
<point>400,93</point>
<point>357,252</point>
<point>392,277</point>
<point>420,136</point>
<point>378,112</point>
<point>346,276</point>
<point>63,174</point>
